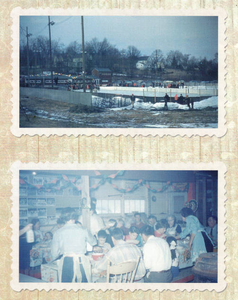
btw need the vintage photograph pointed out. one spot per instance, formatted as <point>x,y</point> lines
<point>144,226</point>
<point>119,71</point>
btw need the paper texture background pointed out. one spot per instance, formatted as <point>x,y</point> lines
<point>120,149</point>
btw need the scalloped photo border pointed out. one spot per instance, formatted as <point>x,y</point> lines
<point>18,286</point>
<point>219,131</point>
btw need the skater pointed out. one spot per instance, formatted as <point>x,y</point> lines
<point>132,100</point>
<point>166,99</point>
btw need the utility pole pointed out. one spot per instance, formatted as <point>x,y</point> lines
<point>51,71</point>
<point>156,66</point>
<point>83,57</point>
<point>27,53</point>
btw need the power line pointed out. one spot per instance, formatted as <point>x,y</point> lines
<point>41,30</point>
<point>63,20</point>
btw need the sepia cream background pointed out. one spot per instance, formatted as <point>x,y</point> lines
<point>120,149</point>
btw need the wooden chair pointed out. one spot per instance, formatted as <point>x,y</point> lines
<point>123,272</point>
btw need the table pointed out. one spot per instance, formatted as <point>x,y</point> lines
<point>185,259</point>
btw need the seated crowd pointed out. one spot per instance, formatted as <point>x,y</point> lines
<point>82,255</point>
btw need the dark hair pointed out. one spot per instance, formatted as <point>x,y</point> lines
<point>102,234</point>
<point>161,224</point>
<point>185,212</point>
<point>134,229</point>
<point>113,221</point>
<point>147,230</point>
<point>117,234</point>
<point>152,217</point>
<point>137,214</point>
<point>214,218</point>
<point>60,221</point>
<point>68,214</point>
<point>50,233</point>
<point>170,239</point>
<point>121,221</point>
<point>34,221</point>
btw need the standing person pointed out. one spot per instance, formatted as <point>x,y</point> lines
<point>181,99</point>
<point>212,229</point>
<point>138,223</point>
<point>187,101</point>
<point>96,222</point>
<point>132,100</point>
<point>70,241</point>
<point>24,250</point>
<point>199,239</point>
<point>166,99</point>
<point>121,252</point>
<point>37,232</point>
<point>157,257</point>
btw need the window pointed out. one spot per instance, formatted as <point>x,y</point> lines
<point>134,205</point>
<point>109,206</point>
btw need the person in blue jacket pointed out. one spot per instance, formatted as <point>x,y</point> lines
<point>199,241</point>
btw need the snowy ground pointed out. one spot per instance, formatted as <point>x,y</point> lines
<point>120,103</point>
<point>44,113</point>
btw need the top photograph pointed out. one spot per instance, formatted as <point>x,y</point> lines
<point>120,73</point>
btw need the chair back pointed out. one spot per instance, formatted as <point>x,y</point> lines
<point>123,272</point>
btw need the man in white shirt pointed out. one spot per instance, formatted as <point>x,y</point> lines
<point>157,257</point>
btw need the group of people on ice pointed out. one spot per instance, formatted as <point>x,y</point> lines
<point>181,100</point>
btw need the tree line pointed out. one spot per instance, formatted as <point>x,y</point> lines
<point>102,54</point>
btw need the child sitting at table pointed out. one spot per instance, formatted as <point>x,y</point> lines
<point>102,246</point>
<point>48,236</point>
<point>161,227</point>
<point>134,237</point>
<point>174,255</point>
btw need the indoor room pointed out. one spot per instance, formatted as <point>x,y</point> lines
<point>101,217</point>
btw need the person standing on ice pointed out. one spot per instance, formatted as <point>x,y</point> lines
<point>187,101</point>
<point>132,100</point>
<point>180,99</point>
<point>166,99</point>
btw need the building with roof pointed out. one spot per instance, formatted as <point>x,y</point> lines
<point>103,74</point>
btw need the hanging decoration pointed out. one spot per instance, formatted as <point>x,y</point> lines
<point>56,184</point>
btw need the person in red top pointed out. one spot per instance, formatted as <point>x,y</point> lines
<point>161,227</point>
<point>138,222</point>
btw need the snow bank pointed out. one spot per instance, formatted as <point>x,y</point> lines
<point>125,103</point>
<point>210,102</point>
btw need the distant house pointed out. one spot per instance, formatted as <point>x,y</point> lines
<point>142,63</point>
<point>103,74</point>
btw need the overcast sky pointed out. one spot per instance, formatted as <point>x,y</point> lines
<point>197,36</point>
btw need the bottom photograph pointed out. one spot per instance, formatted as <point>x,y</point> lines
<point>118,226</point>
